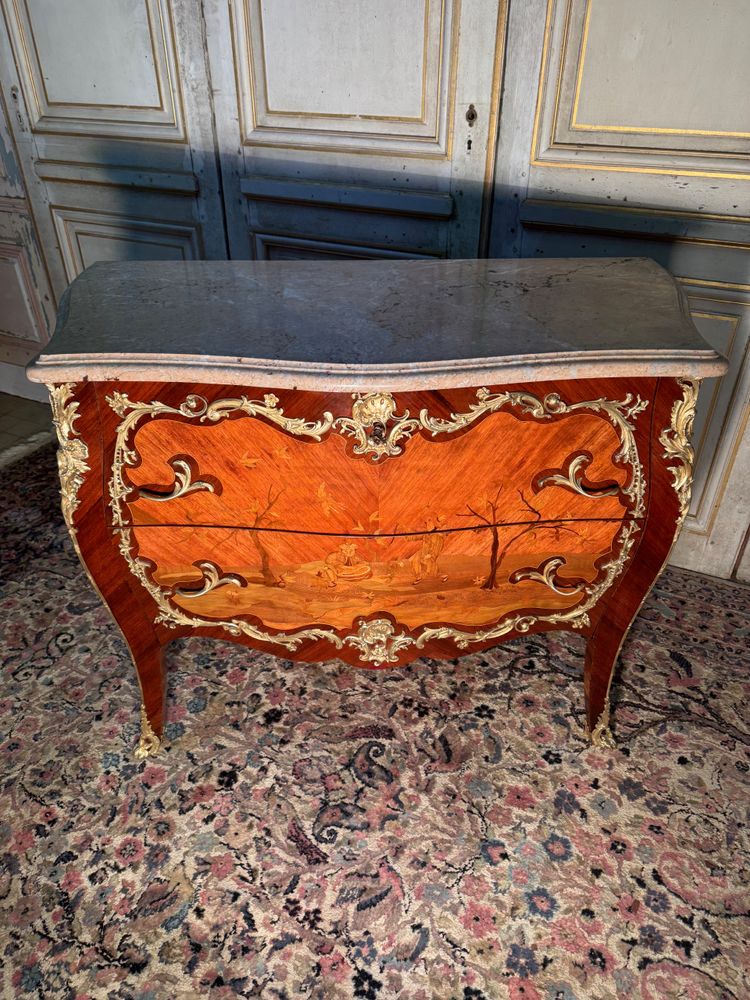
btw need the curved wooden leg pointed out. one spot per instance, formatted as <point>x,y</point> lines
<point>149,665</point>
<point>602,649</point>
<point>78,419</point>
<point>146,650</point>
<point>142,640</point>
<point>147,654</point>
<point>670,478</point>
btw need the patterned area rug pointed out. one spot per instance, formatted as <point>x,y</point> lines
<point>443,831</point>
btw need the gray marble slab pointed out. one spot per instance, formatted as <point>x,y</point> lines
<point>331,324</point>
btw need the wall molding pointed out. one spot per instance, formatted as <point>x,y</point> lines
<point>637,221</point>
<point>115,175</point>
<point>425,135</point>
<point>350,197</point>
<point>299,246</point>
<point>559,142</point>
<point>71,224</point>
<point>163,122</point>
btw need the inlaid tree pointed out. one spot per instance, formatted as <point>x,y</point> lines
<point>486,510</point>
<point>262,514</point>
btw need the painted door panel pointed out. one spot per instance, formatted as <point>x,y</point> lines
<point>624,131</point>
<point>115,141</point>
<point>343,128</point>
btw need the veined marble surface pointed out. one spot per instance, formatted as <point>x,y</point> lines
<point>374,324</point>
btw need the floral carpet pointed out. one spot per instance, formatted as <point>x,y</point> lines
<point>443,831</point>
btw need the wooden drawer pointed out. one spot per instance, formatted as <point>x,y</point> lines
<point>286,580</point>
<point>519,459</point>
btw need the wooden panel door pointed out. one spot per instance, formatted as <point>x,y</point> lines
<point>170,130</point>
<point>626,130</point>
<point>110,118</point>
<point>27,307</point>
<point>355,129</point>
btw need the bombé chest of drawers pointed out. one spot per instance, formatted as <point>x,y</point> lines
<point>374,461</point>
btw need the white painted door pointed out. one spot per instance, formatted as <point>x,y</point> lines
<point>355,128</point>
<point>27,306</point>
<point>173,130</point>
<point>626,130</point>
<point>112,127</point>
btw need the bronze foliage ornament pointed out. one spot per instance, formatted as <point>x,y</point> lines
<point>184,483</point>
<point>572,479</point>
<point>149,743</point>
<point>211,578</point>
<point>368,424</point>
<point>676,442</point>
<point>547,574</point>
<point>72,454</point>
<point>377,641</point>
<point>601,734</point>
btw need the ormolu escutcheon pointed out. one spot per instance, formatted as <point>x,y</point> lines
<point>378,432</point>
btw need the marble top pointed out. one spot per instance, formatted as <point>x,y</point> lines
<point>379,323</point>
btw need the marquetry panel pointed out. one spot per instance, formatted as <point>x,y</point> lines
<point>89,69</point>
<point>620,85</point>
<point>256,475</point>
<point>316,76</point>
<point>87,237</point>
<point>288,580</point>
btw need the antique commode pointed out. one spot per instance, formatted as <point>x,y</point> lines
<point>374,460</point>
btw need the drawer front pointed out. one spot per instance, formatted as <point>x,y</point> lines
<point>467,579</point>
<point>509,457</point>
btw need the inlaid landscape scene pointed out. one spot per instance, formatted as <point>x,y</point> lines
<point>288,580</point>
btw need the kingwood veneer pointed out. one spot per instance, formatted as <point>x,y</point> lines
<point>374,461</point>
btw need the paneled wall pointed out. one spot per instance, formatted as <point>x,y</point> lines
<point>645,87</point>
<point>355,129</point>
<point>281,129</point>
<point>27,308</point>
<point>626,130</point>
<point>112,123</point>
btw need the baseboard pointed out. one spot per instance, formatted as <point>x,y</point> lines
<point>24,448</point>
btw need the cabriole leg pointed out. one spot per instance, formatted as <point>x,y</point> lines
<point>671,474</point>
<point>76,416</point>
<point>602,649</point>
<point>149,665</point>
